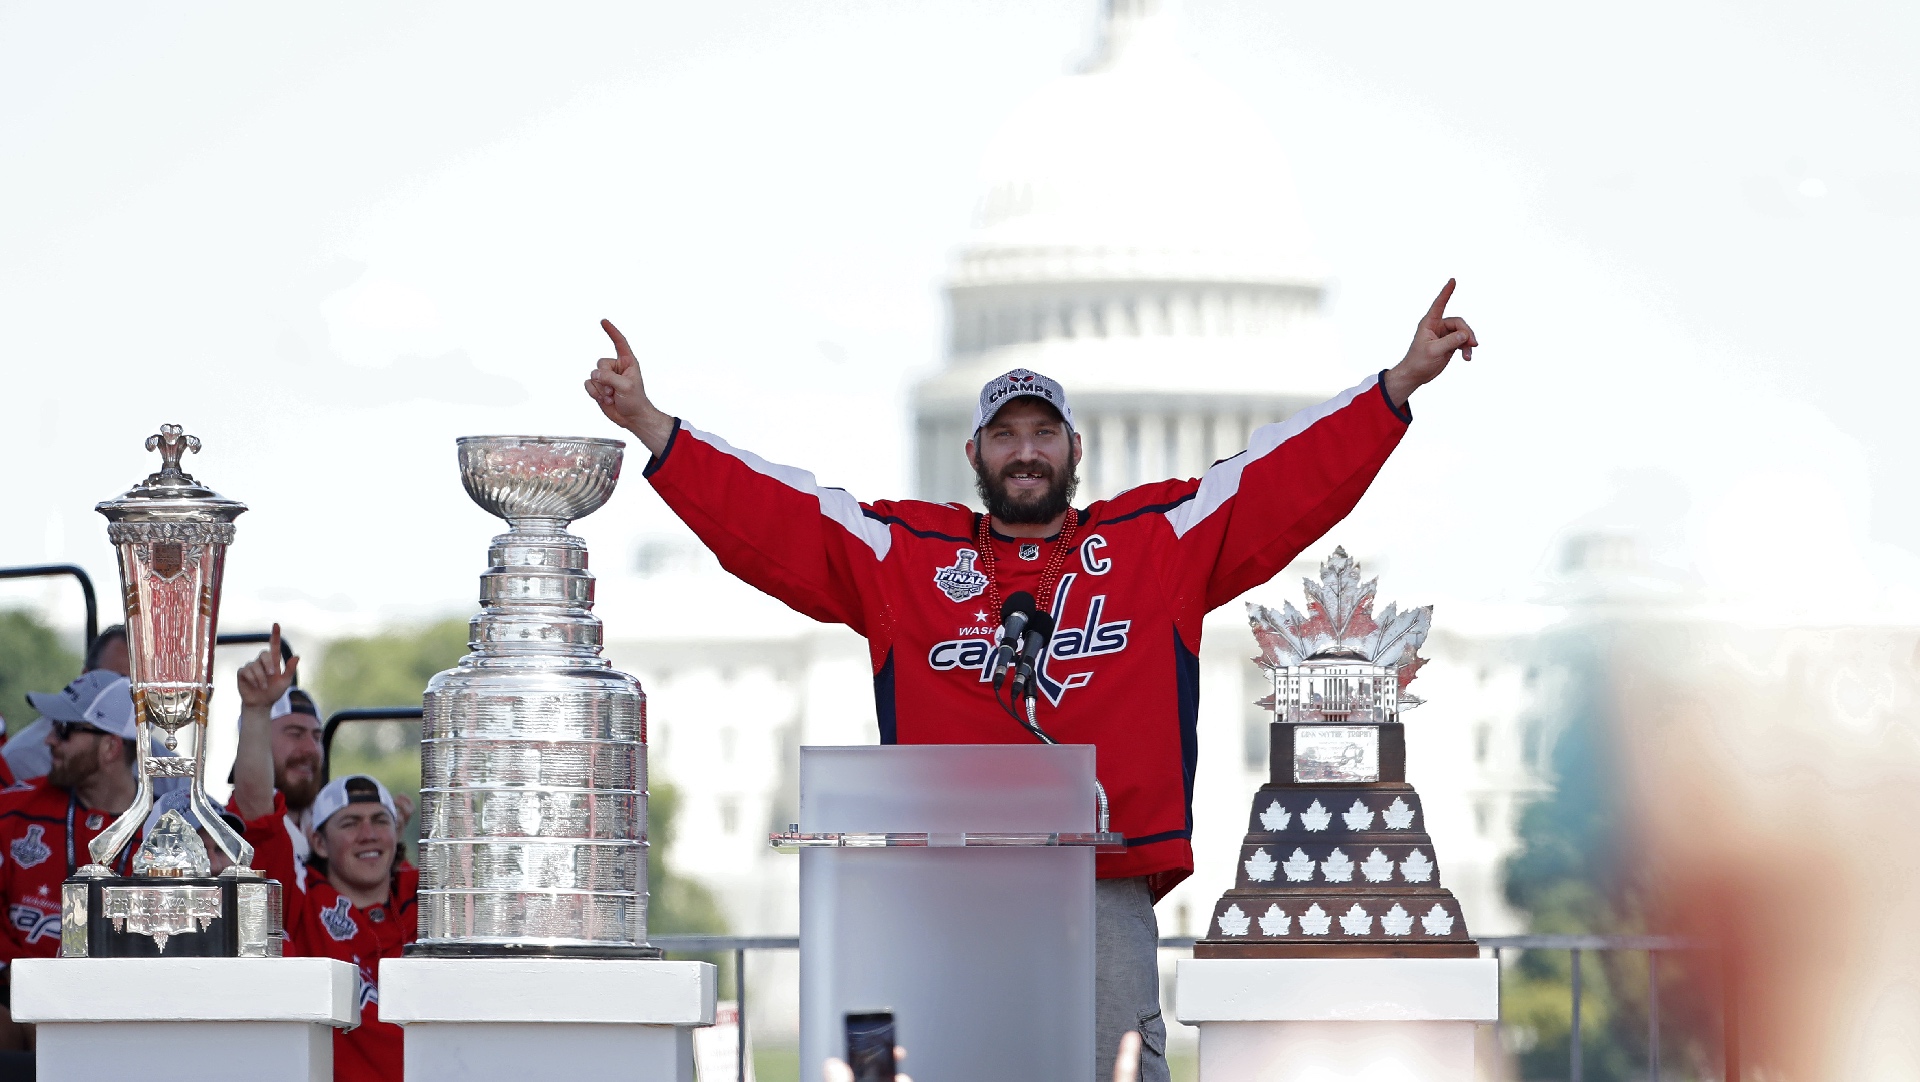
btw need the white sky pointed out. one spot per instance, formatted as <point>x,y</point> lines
<point>329,240</point>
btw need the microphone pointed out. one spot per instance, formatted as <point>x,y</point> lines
<point>1014,616</point>
<point>1039,633</point>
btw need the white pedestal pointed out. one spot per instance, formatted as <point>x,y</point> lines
<point>185,1019</point>
<point>514,1019</point>
<point>1300,1019</point>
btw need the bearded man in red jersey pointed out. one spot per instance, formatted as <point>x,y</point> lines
<point>1127,582</point>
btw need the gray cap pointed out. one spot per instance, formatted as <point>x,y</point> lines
<point>101,698</point>
<point>1019,383</point>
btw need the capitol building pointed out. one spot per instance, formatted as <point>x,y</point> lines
<point>1138,238</point>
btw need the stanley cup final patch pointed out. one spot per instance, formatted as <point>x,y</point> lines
<point>30,850</point>
<point>338,920</point>
<point>959,581</point>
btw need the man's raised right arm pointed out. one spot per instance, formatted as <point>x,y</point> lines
<point>815,548</point>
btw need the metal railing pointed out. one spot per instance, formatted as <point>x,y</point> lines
<point>35,571</point>
<point>362,713</point>
<point>1578,945</point>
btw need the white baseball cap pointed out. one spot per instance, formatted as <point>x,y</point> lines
<point>341,792</point>
<point>1019,383</point>
<point>98,698</point>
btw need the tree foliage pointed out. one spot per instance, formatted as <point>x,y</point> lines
<point>388,669</point>
<point>678,905</point>
<point>32,658</point>
<point>1573,873</point>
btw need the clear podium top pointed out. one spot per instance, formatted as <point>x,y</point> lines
<point>794,840</point>
<point>947,795</point>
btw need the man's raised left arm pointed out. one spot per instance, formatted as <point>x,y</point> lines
<point>1253,513</point>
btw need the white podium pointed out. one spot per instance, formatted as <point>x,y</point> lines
<point>1301,1019</point>
<point>516,1019</point>
<point>185,1019</point>
<point>953,886</point>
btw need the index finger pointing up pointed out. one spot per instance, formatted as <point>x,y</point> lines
<point>1440,303</point>
<point>273,651</point>
<point>620,347</point>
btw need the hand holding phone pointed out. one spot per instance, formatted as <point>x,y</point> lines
<point>870,1046</point>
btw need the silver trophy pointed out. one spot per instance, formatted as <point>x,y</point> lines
<point>533,759</point>
<point>171,534</point>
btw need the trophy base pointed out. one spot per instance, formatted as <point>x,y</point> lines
<point>529,950</point>
<point>157,917</point>
<point>1227,949</point>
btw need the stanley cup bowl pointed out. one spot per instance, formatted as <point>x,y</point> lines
<point>540,479</point>
<point>533,800</point>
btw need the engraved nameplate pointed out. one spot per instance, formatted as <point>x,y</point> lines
<point>1336,753</point>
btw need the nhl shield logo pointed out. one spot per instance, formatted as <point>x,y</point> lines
<point>960,582</point>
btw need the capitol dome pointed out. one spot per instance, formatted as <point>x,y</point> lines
<point>1138,238</point>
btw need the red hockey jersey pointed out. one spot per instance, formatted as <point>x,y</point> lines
<point>322,923</point>
<point>44,834</point>
<point>1122,671</point>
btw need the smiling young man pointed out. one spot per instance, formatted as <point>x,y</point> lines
<point>1127,580</point>
<point>356,901</point>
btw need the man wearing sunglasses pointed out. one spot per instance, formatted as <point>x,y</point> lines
<point>47,823</point>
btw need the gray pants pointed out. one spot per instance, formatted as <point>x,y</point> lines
<point>1126,977</point>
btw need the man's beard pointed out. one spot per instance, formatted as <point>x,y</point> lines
<point>1031,511</point>
<point>299,794</point>
<point>75,769</point>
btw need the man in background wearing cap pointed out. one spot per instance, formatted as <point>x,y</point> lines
<point>294,721</point>
<point>47,823</point>
<point>358,904</point>
<point>1127,582</point>
<point>25,752</point>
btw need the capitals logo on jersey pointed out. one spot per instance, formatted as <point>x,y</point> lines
<point>34,923</point>
<point>1094,636</point>
<point>369,983</point>
<point>960,581</point>
<point>29,849</point>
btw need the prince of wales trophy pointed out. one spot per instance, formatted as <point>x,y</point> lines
<point>1336,861</point>
<point>171,534</point>
<point>533,749</point>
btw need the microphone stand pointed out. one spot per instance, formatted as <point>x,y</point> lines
<point>1032,724</point>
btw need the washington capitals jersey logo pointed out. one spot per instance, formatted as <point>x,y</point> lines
<point>1093,637</point>
<point>33,923</point>
<point>30,850</point>
<point>959,581</point>
<point>338,918</point>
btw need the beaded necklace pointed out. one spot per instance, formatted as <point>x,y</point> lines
<point>1049,575</point>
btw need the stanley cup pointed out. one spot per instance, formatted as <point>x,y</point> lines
<point>533,761</point>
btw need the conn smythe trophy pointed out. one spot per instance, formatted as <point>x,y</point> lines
<point>533,757</point>
<point>171,534</point>
<point>1337,861</point>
